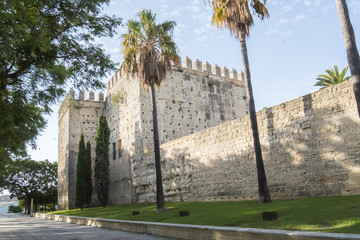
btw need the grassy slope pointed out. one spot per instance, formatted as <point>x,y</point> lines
<point>339,214</point>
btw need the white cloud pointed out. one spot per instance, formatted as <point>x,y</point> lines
<point>203,17</point>
<point>281,21</point>
<point>202,38</point>
<point>200,30</point>
<point>300,17</point>
<point>195,6</point>
<point>175,12</point>
<point>287,8</point>
<point>272,31</point>
<point>321,5</point>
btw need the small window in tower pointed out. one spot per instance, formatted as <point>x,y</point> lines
<point>119,146</point>
<point>114,151</point>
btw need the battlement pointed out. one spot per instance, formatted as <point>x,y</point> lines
<point>80,96</point>
<point>232,75</point>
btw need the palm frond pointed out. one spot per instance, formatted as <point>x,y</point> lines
<point>236,15</point>
<point>332,77</point>
<point>149,49</point>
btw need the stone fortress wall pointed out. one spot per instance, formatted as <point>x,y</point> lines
<point>194,97</point>
<point>310,144</point>
<point>311,147</point>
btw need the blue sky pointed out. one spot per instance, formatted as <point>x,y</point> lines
<point>299,41</point>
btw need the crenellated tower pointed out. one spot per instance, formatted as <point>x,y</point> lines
<point>76,115</point>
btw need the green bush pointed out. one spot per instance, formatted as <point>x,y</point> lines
<point>15,209</point>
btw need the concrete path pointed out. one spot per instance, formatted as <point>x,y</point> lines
<point>19,226</point>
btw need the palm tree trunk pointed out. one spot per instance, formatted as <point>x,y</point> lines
<point>264,195</point>
<point>351,49</point>
<point>160,203</point>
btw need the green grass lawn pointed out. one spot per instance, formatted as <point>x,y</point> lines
<point>340,214</point>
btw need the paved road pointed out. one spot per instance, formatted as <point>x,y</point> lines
<point>19,226</point>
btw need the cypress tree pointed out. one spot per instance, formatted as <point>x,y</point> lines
<point>102,161</point>
<point>80,174</point>
<point>88,173</point>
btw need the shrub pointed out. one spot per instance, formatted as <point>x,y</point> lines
<point>15,209</point>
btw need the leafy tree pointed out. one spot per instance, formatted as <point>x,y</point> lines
<point>332,77</point>
<point>20,123</point>
<point>88,174</point>
<point>26,179</point>
<point>148,50</point>
<point>101,169</point>
<point>351,48</point>
<point>80,174</point>
<point>236,16</point>
<point>15,209</point>
<point>44,46</point>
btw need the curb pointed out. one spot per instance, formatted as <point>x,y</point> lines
<point>184,231</point>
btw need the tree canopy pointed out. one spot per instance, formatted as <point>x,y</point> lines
<point>26,179</point>
<point>46,45</point>
<point>149,48</point>
<point>236,15</point>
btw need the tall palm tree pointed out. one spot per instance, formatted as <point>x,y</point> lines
<point>148,50</point>
<point>236,16</point>
<point>332,77</point>
<point>351,49</point>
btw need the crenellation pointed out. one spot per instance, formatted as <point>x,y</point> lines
<point>118,74</point>
<point>81,95</point>
<point>197,65</point>
<point>101,96</point>
<point>225,72</point>
<point>187,63</point>
<point>241,76</point>
<point>216,70</point>
<point>72,93</point>
<point>207,67</point>
<point>233,74</point>
<point>91,96</point>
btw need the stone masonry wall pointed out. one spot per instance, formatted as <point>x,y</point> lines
<point>190,100</point>
<point>124,120</point>
<point>311,147</point>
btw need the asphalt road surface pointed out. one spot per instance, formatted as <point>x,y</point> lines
<point>19,226</point>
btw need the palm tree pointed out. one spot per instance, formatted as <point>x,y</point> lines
<point>351,49</point>
<point>332,77</point>
<point>148,50</point>
<point>236,16</point>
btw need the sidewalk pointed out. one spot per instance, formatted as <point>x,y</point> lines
<point>183,231</point>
